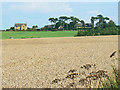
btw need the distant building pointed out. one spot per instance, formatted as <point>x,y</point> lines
<point>20,26</point>
<point>60,27</point>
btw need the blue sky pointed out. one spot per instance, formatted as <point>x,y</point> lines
<point>37,13</point>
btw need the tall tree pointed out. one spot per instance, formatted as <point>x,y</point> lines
<point>111,23</point>
<point>83,23</point>
<point>102,20</point>
<point>34,26</point>
<point>105,19</point>
<point>67,19</point>
<point>63,19</point>
<point>93,19</point>
<point>74,20</point>
<point>53,20</point>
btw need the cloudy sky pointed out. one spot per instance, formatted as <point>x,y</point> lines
<point>37,13</point>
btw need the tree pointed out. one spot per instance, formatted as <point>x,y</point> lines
<point>63,19</point>
<point>83,23</point>
<point>74,20</point>
<point>58,24</point>
<point>93,19</point>
<point>35,26</point>
<point>12,28</point>
<point>111,24</point>
<point>53,20</point>
<point>102,20</point>
<point>67,19</point>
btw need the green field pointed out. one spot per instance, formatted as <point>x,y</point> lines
<point>37,34</point>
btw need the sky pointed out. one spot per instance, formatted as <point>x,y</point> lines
<point>38,13</point>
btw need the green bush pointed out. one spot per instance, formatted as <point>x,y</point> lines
<point>98,31</point>
<point>81,33</point>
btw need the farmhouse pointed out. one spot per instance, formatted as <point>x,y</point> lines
<point>20,26</point>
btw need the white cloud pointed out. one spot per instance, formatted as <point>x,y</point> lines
<point>94,12</point>
<point>41,7</point>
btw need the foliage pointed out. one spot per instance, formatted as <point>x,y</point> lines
<point>109,29</point>
<point>12,28</point>
<point>34,26</point>
<point>98,31</point>
<point>68,23</point>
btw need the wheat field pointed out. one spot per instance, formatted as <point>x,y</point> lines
<point>47,62</point>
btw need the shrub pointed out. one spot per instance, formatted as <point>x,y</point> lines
<point>98,31</point>
<point>81,33</point>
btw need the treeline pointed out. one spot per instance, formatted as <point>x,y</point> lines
<point>66,23</point>
<point>99,31</point>
<point>103,26</point>
<point>74,23</point>
<point>99,25</point>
